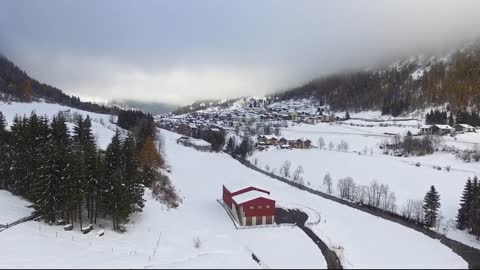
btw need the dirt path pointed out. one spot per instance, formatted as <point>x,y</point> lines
<point>469,254</point>
<point>295,216</point>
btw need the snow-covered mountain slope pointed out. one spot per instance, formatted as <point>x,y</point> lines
<point>160,238</point>
<point>102,125</point>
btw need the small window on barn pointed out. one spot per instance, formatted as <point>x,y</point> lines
<point>268,206</point>
<point>252,207</point>
<point>259,207</point>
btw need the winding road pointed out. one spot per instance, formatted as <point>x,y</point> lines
<point>469,254</point>
<point>297,217</point>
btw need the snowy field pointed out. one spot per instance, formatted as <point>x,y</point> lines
<point>12,207</point>
<point>102,128</point>
<point>406,180</point>
<point>367,242</point>
<point>164,239</point>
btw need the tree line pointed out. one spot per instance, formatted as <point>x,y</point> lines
<point>16,85</point>
<point>242,150</point>
<point>67,177</point>
<point>461,117</point>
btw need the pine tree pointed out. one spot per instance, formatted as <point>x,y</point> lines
<point>115,194</point>
<point>78,179</point>
<point>231,145</point>
<point>19,156</point>
<point>133,181</point>
<point>92,170</point>
<point>347,116</point>
<point>431,204</point>
<point>53,189</point>
<point>244,148</point>
<point>5,151</point>
<point>465,206</point>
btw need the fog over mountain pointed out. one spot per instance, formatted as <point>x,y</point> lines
<point>180,52</point>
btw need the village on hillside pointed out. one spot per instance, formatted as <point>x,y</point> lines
<point>263,119</point>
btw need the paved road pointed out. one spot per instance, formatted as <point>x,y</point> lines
<point>295,216</point>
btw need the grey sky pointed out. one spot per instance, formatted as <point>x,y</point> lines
<point>181,51</point>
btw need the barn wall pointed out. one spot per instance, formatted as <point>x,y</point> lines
<point>259,212</point>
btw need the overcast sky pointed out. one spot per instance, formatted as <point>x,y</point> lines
<point>181,51</point>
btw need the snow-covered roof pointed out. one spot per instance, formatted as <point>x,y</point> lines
<point>425,126</point>
<point>250,195</point>
<point>233,187</point>
<point>443,126</point>
<point>199,142</point>
<point>464,125</point>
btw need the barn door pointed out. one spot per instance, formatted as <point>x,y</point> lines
<point>269,220</point>
<point>248,221</point>
<point>259,220</point>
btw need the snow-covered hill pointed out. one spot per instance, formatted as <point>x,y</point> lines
<point>102,124</point>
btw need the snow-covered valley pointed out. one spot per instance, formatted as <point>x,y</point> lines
<point>161,238</point>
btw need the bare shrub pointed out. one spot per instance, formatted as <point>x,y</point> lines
<point>164,191</point>
<point>197,242</point>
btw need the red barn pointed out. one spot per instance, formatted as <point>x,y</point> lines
<point>250,205</point>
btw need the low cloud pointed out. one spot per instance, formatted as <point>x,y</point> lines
<point>184,51</point>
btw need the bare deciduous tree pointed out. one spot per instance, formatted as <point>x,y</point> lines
<point>285,169</point>
<point>327,181</point>
<point>321,143</point>
<point>297,175</point>
<point>343,146</point>
<point>346,188</point>
<point>413,210</point>
<point>331,145</point>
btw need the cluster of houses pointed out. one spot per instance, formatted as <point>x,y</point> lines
<point>249,205</point>
<point>264,141</point>
<point>438,129</point>
<point>191,124</point>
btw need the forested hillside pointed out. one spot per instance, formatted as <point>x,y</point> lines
<point>403,86</point>
<point>16,85</point>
